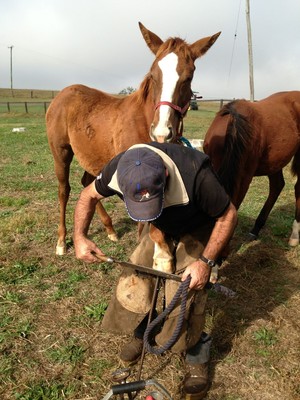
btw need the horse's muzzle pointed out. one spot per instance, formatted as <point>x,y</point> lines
<point>162,136</point>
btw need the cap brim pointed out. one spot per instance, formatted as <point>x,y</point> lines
<point>145,211</point>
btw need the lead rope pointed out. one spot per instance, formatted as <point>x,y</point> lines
<point>183,292</point>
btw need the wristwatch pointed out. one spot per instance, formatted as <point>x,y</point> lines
<point>210,263</point>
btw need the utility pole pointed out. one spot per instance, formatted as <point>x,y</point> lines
<point>250,55</point>
<point>11,75</point>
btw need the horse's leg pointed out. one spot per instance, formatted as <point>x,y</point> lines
<point>294,238</point>
<point>162,258</point>
<point>106,221</point>
<point>276,184</point>
<point>100,210</point>
<point>140,227</point>
<point>62,160</point>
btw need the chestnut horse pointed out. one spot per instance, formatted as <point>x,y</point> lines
<point>249,139</point>
<point>95,126</point>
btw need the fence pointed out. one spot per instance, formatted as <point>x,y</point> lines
<point>27,94</point>
<point>36,107</point>
<point>41,106</point>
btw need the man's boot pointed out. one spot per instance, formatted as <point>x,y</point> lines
<point>196,383</point>
<point>132,350</point>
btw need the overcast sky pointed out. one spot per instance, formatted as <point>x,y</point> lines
<point>98,43</point>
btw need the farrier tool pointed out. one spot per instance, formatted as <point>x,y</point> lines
<point>217,287</point>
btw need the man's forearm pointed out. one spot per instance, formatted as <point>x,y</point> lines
<point>221,233</point>
<point>84,212</point>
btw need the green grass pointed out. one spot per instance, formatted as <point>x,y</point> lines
<point>69,352</point>
<point>46,391</point>
<point>96,311</point>
<point>265,337</point>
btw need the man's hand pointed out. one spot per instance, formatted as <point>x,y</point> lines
<point>86,250</point>
<point>200,273</point>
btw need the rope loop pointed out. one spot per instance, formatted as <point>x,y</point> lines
<point>182,292</point>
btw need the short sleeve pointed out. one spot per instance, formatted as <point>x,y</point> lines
<point>104,177</point>
<point>210,195</point>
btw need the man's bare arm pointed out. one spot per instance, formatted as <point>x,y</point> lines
<point>219,238</point>
<point>85,249</point>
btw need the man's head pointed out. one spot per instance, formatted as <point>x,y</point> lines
<point>141,177</point>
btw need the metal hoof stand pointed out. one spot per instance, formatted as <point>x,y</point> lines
<point>129,390</point>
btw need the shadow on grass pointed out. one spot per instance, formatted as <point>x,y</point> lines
<point>260,272</point>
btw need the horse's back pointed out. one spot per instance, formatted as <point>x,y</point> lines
<point>78,98</point>
<point>273,123</point>
<point>95,125</point>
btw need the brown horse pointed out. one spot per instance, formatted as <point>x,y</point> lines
<point>95,126</point>
<point>249,139</point>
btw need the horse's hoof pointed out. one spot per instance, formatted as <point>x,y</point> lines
<point>252,237</point>
<point>293,242</point>
<point>214,275</point>
<point>163,265</point>
<point>113,237</point>
<point>61,250</point>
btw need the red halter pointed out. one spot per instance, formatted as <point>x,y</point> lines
<point>177,108</point>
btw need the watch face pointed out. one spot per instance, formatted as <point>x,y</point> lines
<point>210,263</point>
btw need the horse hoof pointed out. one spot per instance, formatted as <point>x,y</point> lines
<point>214,275</point>
<point>61,250</point>
<point>252,237</point>
<point>163,265</point>
<point>113,237</point>
<point>293,242</point>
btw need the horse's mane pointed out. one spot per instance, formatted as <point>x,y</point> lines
<point>174,45</point>
<point>144,89</point>
<point>237,139</point>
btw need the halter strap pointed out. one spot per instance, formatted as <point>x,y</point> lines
<point>182,110</point>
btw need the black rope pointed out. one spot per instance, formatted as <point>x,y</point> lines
<point>183,292</point>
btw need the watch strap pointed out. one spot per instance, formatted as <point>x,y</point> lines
<point>210,263</point>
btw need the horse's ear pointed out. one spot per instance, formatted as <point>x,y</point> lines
<point>152,40</point>
<point>200,47</point>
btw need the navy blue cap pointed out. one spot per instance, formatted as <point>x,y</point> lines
<point>141,177</point>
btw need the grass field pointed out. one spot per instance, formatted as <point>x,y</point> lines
<point>51,343</point>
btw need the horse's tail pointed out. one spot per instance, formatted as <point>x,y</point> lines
<point>237,140</point>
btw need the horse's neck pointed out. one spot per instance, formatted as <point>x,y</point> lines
<point>143,107</point>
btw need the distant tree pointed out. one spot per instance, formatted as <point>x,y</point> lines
<point>128,90</point>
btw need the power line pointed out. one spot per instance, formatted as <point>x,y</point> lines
<point>250,54</point>
<point>234,41</point>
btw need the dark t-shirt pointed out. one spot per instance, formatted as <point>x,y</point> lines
<point>207,197</point>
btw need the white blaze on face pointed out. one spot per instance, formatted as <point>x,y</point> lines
<point>170,77</point>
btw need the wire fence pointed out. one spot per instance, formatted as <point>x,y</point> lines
<point>38,107</point>
<point>32,107</point>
